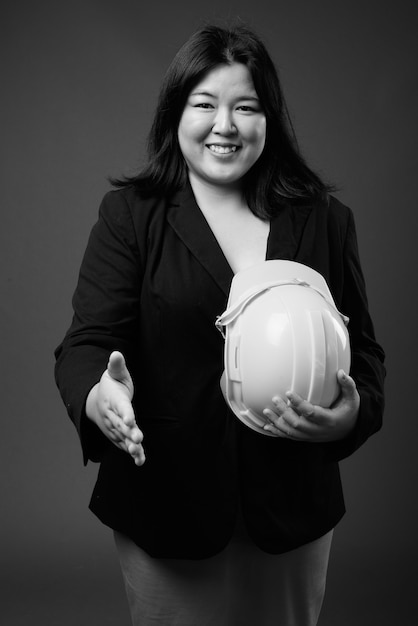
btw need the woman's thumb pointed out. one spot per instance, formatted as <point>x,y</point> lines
<point>348,386</point>
<point>117,367</point>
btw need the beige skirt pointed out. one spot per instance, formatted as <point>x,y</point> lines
<point>241,586</point>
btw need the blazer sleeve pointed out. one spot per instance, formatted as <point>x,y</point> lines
<point>105,304</point>
<point>367,356</point>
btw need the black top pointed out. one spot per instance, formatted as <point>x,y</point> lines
<point>152,282</point>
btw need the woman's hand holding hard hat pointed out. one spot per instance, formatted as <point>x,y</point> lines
<point>300,420</point>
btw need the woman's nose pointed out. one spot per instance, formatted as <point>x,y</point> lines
<point>223,123</point>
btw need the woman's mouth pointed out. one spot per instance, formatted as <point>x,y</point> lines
<point>222,149</point>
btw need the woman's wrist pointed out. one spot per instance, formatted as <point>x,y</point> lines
<point>91,404</point>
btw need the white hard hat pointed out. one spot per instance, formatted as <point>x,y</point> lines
<point>282,333</point>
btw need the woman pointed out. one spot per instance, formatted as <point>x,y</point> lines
<point>217,524</point>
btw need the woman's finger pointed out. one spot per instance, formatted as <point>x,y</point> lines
<point>348,387</point>
<point>117,370</point>
<point>300,406</point>
<point>279,425</point>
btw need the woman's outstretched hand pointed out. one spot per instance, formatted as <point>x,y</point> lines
<point>300,420</point>
<point>109,405</point>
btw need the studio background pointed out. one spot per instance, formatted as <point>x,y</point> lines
<point>79,85</point>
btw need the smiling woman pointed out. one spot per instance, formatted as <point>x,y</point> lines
<point>222,134</point>
<point>279,174</point>
<point>222,131</point>
<point>207,512</point>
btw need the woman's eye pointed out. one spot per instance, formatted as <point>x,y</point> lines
<point>246,108</point>
<point>204,105</point>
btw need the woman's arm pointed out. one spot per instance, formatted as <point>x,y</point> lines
<point>105,320</point>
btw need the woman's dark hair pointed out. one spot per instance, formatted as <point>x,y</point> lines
<point>280,174</point>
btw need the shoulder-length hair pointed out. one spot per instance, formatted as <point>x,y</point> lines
<point>279,175</point>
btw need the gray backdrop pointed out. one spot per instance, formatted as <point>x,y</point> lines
<point>79,82</point>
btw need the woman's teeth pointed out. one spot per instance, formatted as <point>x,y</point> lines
<point>222,149</point>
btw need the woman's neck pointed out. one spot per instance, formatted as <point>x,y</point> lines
<point>211,197</point>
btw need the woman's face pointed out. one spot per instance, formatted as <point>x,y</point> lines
<point>222,130</point>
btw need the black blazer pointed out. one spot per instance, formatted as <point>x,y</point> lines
<point>151,284</point>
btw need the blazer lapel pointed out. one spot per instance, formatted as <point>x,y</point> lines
<point>190,225</point>
<point>286,232</point>
<point>187,220</point>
